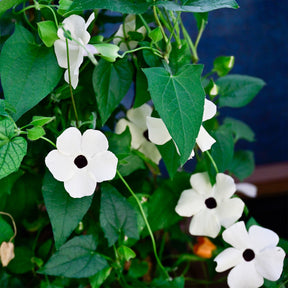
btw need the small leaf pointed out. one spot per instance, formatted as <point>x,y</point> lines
<point>223,64</point>
<point>138,268</point>
<point>107,51</point>
<point>243,164</point>
<point>111,82</point>
<point>123,6</point>
<point>126,253</point>
<point>64,5</point>
<point>155,35</point>
<point>239,129</point>
<point>97,280</point>
<point>179,100</point>
<point>35,133</point>
<point>238,90</point>
<point>64,212</point>
<point>75,259</point>
<point>117,216</point>
<point>48,32</point>
<point>41,120</point>
<point>6,231</point>
<point>37,73</point>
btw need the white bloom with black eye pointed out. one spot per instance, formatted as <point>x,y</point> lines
<point>81,161</point>
<point>210,206</point>
<point>78,47</point>
<point>159,135</point>
<point>121,37</point>
<point>253,257</point>
<point>138,129</point>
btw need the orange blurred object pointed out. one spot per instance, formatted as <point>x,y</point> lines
<point>204,247</point>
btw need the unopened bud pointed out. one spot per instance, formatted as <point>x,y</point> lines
<point>6,253</point>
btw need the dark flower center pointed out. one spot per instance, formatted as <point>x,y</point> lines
<point>80,161</point>
<point>145,134</point>
<point>211,203</point>
<point>248,255</point>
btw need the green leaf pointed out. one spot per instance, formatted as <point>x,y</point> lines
<point>107,51</point>
<point>223,150</point>
<point>48,32</point>
<point>7,183</point>
<point>41,120</point>
<point>7,4</point>
<point>6,231</point>
<point>64,5</point>
<point>155,35</point>
<point>142,95</point>
<point>201,20</point>
<point>76,259</point>
<point>97,280</point>
<point>111,82</point>
<point>34,67</point>
<point>22,262</point>
<point>243,164</point>
<point>126,253</point>
<point>238,90</point>
<point>12,149</point>
<point>179,100</point>
<point>223,64</point>
<point>239,129</point>
<point>138,268</point>
<point>198,5</point>
<point>117,216</point>
<point>35,133</point>
<point>179,56</point>
<point>64,211</point>
<point>123,6</point>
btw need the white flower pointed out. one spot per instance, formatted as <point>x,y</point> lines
<point>138,128</point>
<point>78,46</point>
<point>122,35</point>
<point>81,161</point>
<point>247,189</point>
<point>211,207</point>
<point>254,256</point>
<point>158,133</point>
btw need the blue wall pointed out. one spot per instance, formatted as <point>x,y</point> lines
<point>257,35</point>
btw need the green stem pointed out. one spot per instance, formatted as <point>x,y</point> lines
<point>70,86</point>
<point>155,51</point>
<point>174,29</point>
<point>146,223</point>
<point>48,140</point>
<point>200,34</point>
<point>144,23</point>
<point>212,161</point>
<point>13,222</point>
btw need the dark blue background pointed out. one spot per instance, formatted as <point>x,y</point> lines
<point>257,35</point>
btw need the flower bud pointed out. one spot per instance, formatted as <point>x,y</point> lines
<point>6,253</point>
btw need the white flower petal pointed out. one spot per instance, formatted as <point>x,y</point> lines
<point>230,211</point>
<point>244,275</point>
<point>91,49</point>
<point>93,142</point>
<point>237,236</point>
<point>227,259</point>
<point>205,223</point>
<point>76,25</point>
<point>262,237</point>
<point>247,189</point>
<point>204,140</point>
<point>209,110</point>
<point>130,23</point>
<point>103,166</point>
<point>61,166</point>
<point>200,182</point>
<point>189,203</point>
<point>138,115</point>
<point>89,21</point>
<point>69,142</point>
<point>224,187</point>
<point>80,185</point>
<point>157,131</point>
<point>269,263</point>
<point>61,53</point>
<point>150,151</point>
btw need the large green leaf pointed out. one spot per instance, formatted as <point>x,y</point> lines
<point>64,212</point>
<point>12,149</point>
<point>76,259</point>
<point>117,216</point>
<point>123,6</point>
<point>238,90</point>
<point>197,5</point>
<point>111,82</point>
<point>29,72</point>
<point>6,231</point>
<point>179,100</point>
